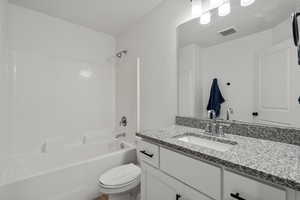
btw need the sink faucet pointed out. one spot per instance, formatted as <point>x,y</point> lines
<point>212,126</point>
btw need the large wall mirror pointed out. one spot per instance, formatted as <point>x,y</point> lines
<point>248,57</point>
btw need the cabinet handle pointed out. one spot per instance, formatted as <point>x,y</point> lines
<point>255,114</point>
<point>178,196</point>
<point>236,196</point>
<point>147,154</point>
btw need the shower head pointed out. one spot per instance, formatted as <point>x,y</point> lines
<point>121,53</point>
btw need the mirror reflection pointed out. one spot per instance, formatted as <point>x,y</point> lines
<point>239,61</point>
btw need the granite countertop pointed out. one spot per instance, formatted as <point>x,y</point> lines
<point>274,162</point>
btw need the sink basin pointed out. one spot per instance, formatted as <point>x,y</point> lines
<point>210,142</point>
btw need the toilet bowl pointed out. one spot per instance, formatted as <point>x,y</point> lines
<point>120,180</point>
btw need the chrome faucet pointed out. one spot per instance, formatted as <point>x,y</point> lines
<point>212,126</point>
<point>120,135</point>
<point>211,113</point>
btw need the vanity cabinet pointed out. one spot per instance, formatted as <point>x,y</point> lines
<point>175,176</point>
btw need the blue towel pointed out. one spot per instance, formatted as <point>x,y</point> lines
<point>216,98</point>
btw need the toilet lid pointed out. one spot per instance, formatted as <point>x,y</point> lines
<point>120,175</point>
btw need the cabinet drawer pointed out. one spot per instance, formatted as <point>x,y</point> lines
<point>201,176</point>
<point>250,189</point>
<point>156,185</point>
<point>148,153</point>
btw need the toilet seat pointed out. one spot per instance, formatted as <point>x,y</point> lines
<point>120,179</point>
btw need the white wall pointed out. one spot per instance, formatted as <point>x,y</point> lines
<point>154,40</point>
<point>4,83</point>
<point>63,80</point>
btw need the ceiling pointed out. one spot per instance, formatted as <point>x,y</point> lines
<point>109,16</point>
<point>262,15</point>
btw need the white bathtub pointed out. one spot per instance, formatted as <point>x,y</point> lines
<point>70,173</point>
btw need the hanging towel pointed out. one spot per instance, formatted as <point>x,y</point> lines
<point>216,98</point>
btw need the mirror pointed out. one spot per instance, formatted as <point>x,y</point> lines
<point>251,54</point>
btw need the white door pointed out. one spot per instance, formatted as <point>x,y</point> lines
<point>278,86</point>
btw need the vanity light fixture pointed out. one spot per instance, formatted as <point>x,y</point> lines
<point>203,8</point>
<point>205,18</point>
<point>245,3</point>
<point>224,9</point>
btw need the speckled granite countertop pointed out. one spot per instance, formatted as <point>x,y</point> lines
<point>274,162</point>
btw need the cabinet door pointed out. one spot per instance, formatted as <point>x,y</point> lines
<point>156,185</point>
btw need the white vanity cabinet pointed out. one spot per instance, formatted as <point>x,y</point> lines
<point>175,176</point>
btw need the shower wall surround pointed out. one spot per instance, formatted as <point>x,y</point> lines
<point>62,81</point>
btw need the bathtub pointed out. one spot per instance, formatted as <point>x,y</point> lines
<point>65,174</point>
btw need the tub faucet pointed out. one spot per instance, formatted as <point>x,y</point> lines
<point>120,135</point>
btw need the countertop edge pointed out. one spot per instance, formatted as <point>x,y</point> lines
<point>224,163</point>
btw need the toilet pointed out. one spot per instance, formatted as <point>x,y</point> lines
<point>121,182</point>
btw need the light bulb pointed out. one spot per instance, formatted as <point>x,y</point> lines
<point>245,3</point>
<point>196,8</point>
<point>224,9</point>
<point>205,18</point>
